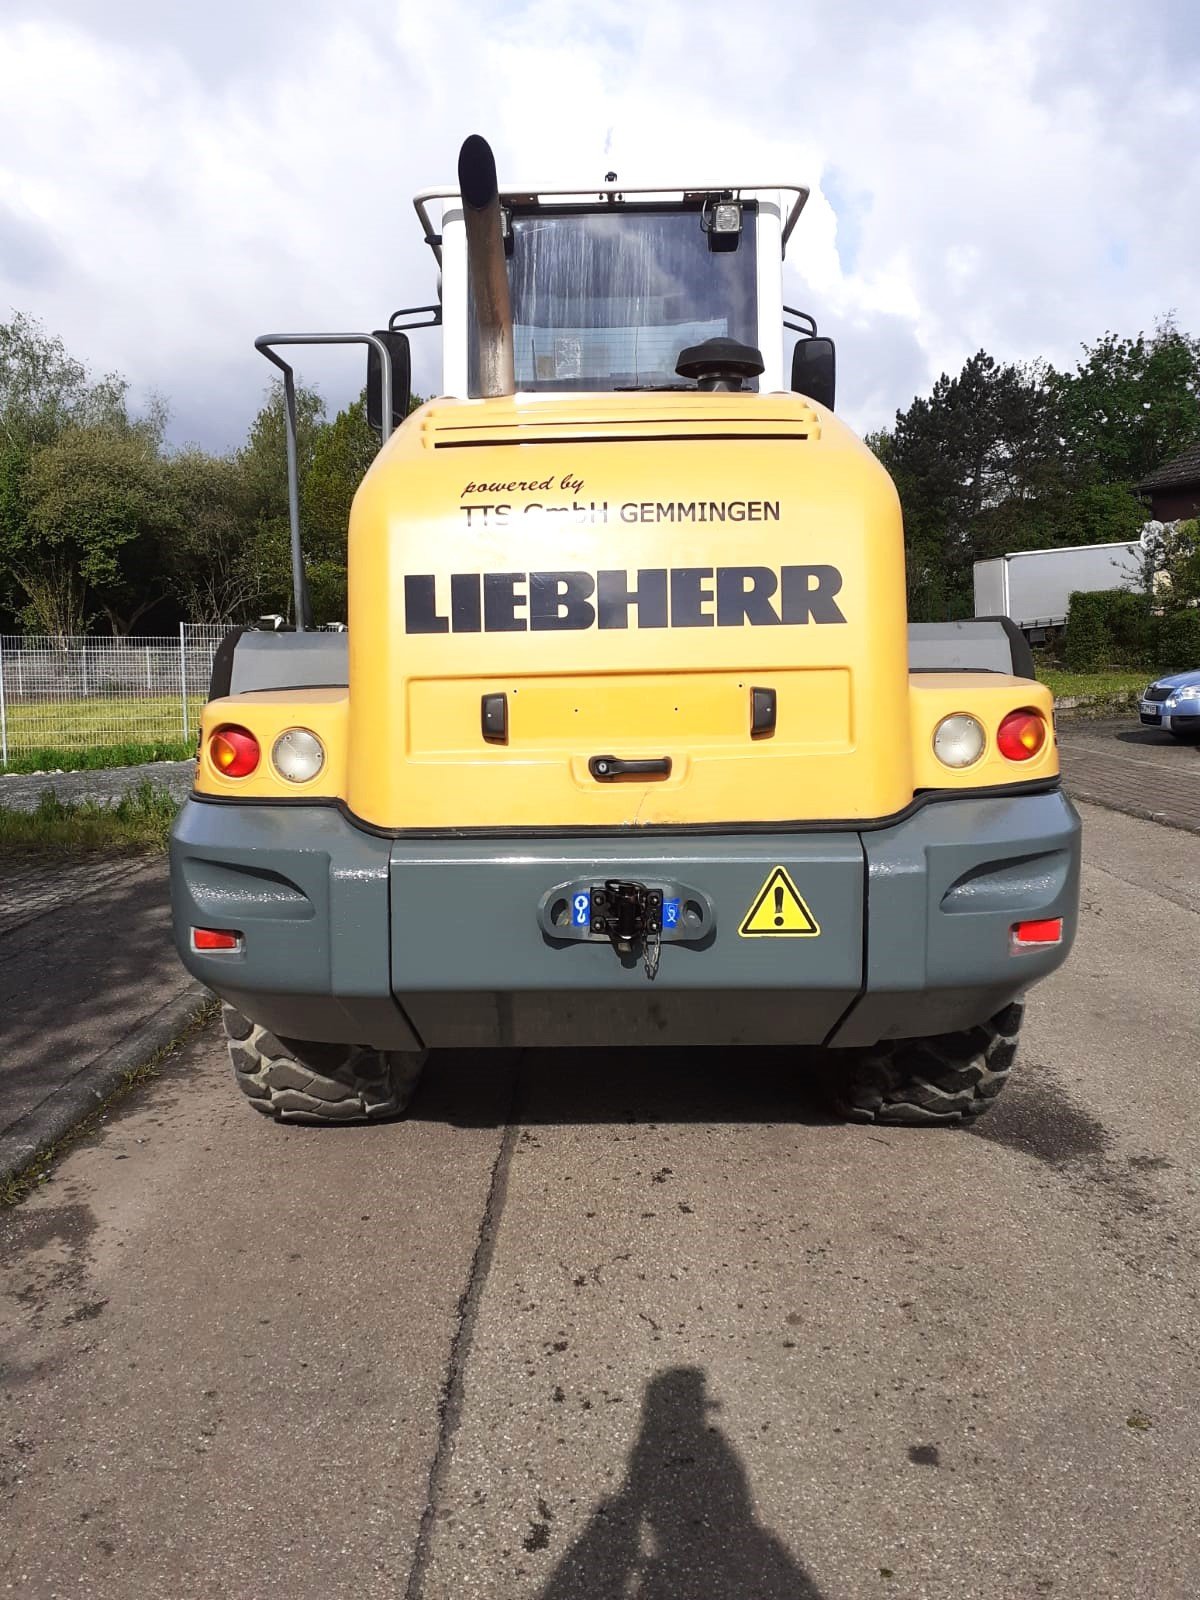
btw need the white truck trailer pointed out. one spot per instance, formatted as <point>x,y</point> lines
<point>1034,587</point>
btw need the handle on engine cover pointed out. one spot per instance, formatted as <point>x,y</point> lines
<point>605,768</point>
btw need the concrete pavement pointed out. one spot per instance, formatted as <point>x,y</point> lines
<point>615,1324</point>
<point>90,986</point>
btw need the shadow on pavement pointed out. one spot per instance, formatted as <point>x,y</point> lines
<point>1155,737</point>
<point>75,981</point>
<point>718,1084</point>
<point>682,1526</point>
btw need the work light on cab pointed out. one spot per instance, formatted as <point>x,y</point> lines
<point>958,740</point>
<point>1021,735</point>
<point>233,752</point>
<point>298,755</point>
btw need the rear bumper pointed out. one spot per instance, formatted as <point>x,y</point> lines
<point>400,943</point>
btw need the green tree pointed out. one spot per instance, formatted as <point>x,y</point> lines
<point>975,468</point>
<point>214,561</point>
<point>1171,564</point>
<point>1130,404</point>
<point>43,391</point>
<point>263,462</point>
<point>99,517</point>
<point>342,452</point>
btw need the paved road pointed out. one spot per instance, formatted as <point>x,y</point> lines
<point>1142,771</point>
<point>613,1325</point>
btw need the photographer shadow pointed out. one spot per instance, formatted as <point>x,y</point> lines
<point>682,1526</point>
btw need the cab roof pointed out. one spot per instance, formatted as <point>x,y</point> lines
<point>617,194</point>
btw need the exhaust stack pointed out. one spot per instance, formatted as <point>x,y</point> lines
<point>489,272</point>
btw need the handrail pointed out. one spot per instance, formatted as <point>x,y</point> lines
<point>266,343</point>
<point>611,191</point>
<point>806,325</point>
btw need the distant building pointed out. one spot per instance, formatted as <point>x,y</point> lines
<point>1174,489</point>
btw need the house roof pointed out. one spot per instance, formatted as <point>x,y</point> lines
<point>1180,473</point>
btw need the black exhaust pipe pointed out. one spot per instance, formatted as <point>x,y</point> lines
<point>486,262</point>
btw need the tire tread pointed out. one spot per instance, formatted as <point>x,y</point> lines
<point>947,1078</point>
<point>294,1080</point>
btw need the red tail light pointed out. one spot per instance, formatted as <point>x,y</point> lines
<point>1037,935</point>
<point>216,939</point>
<point>1021,735</point>
<point>234,752</point>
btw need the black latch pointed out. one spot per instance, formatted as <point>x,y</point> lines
<point>626,911</point>
<point>762,713</point>
<point>494,718</point>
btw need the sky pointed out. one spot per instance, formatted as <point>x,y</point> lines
<point>177,178</point>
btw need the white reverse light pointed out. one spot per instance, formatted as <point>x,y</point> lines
<point>958,740</point>
<point>298,755</point>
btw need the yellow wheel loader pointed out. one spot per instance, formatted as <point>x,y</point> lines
<point>628,741</point>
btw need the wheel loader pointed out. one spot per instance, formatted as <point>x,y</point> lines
<point>628,741</point>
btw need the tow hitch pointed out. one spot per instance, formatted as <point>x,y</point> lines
<point>627,913</point>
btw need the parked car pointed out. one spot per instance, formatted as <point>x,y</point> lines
<point>1173,703</point>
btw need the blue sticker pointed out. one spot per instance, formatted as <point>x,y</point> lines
<point>581,911</point>
<point>670,913</point>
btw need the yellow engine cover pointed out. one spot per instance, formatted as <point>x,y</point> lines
<point>624,569</point>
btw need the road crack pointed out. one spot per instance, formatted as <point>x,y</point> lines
<point>450,1406</point>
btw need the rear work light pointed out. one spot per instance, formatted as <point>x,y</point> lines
<point>298,755</point>
<point>1021,735</point>
<point>959,740</point>
<point>233,752</point>
<point>1036,935</point>
<point>216,939</point>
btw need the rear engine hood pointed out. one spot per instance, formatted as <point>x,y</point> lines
<point>618,574</point>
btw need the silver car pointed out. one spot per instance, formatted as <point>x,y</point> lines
<point>1173,703</point>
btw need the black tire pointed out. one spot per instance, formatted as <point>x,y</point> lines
<point>298,1080</point>
<point>949,1077</point>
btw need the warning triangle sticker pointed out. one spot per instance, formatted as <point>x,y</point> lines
<point>779,909</point>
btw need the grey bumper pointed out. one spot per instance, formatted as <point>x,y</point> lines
<point>351,937</point>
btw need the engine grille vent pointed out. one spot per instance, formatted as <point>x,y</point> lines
<point>455,428</point>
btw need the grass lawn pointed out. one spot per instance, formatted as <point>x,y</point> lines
<point>140,820</point>
<point>1116,686</point>
<point>101,731</point>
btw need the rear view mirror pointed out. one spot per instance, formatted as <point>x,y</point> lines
<point>397,347</point>
<point>814,370</point>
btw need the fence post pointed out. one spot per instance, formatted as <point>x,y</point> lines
<point>183,681</point>
<point>3,713</point>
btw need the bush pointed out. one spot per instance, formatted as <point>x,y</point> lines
<point>1179,641</point>
<point>1106,627</point>
<point>1133,628</point>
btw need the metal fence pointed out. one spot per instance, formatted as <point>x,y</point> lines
<point>76,693</point>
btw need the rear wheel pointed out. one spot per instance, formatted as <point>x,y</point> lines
<point>299,1080</point>
<point>949,1077</point>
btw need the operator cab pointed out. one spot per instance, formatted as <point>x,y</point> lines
<point>621,290</point>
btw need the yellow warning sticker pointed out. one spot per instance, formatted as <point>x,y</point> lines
<point>779,908</point>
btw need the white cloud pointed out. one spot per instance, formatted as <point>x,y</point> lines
<point>175,180</point>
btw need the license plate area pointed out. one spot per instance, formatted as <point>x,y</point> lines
<point>627,909</point>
